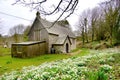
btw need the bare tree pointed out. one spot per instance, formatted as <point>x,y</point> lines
<point>0,39</point>
<point>0,26</point>
<point>81,29</point>
<point>83,25</point>
<point>64,6</point>
<point>0,33</point>
<point>86,29</point>
<point>93,19</point>
<point>16,31</point>
<point>26,33</point>
<point>86,19</point>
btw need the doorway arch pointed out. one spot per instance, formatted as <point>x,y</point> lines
<point>67,48</point>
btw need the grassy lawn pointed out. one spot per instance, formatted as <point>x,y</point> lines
<point>4,51</point>
<point>83,52</point>
<point>7,63</point>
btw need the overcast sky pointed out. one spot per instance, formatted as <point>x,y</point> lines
<point>6,22</point>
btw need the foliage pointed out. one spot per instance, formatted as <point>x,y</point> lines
<point>96,75</point>
<point>105,68</point>
<point>116,31</point>
<point>102,61</point>
<point>102,22</point>
<point>102,75</point>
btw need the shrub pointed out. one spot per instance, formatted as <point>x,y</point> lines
<point>8,62</point>
<point>101,75</point>
<point>96,75</point>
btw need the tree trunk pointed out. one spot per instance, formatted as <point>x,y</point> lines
<point>111,35</point>
<point>83,37</point>
<point>92,32</point>
<point>86,35</point>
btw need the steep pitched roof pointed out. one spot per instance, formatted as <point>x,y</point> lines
<point>57,29</point>
<point>61,40</point>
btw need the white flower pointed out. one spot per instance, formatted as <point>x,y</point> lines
<point>106,67</point>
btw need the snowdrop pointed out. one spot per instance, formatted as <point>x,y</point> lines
<point>106,68</point>
<point>71,68</point>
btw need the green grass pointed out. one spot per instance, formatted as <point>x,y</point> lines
<point>7,63</point>
<point>74,50</point>
<point>4,51</point>
<point>83,52</point>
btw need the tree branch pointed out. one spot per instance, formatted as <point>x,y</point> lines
<point>64,6</point>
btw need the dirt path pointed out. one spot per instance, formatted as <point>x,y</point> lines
<point>74,53</point>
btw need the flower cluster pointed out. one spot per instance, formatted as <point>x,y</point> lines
<point>106,68</point>
<point>74,68</point>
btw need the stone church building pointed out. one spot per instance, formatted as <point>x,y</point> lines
<point>59,37</point>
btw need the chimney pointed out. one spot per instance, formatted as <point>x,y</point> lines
<point>38,14</point>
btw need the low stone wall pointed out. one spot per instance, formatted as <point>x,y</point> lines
<point>28,49</point>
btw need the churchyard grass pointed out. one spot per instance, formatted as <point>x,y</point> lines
<point>4,51</point>
<point>7,63</point>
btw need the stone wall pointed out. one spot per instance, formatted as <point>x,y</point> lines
<point>69,46</point>
<point>73,41</point>
<point>52,39</point>
<point>62,47</point>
